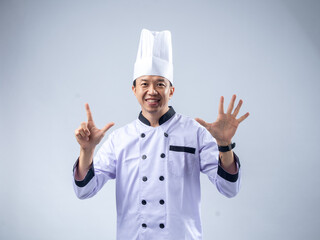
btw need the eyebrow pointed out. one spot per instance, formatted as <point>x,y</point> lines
<point>158,80</point>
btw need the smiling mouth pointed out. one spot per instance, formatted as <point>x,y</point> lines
<point>153,100</point>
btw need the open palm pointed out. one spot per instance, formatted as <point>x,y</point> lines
<point>225,127</point>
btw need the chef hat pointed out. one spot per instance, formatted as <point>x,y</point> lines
<point>154,55</point>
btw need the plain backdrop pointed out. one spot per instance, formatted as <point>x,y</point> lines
<point>57,55</point>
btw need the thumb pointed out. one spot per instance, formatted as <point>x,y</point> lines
<point>202,122</point>
<point>106,127</point>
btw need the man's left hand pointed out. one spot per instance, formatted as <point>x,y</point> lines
<point>225,127</point>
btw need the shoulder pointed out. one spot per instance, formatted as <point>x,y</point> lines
<point>122,135</point>
<point>188,122</point>
<point>189,125</point>
<point>128,129</point>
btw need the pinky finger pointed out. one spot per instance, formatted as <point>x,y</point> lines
<point>78,135</point>
<point>81,137</point>
<point>243,117</point>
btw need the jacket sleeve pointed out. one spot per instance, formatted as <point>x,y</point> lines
<point>103,168</point>
<point>226,183</point>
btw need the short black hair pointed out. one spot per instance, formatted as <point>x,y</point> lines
<point>134,83</point>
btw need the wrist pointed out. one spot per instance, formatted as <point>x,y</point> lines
<point>87,151</point>
<point>226,148</point>
<point>85,159</point>
<point>223,143</point>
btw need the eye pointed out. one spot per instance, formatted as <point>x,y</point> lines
<point>161,85</point>
<point>144,84</point>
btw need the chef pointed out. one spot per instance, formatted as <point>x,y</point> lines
<point>156,160</point>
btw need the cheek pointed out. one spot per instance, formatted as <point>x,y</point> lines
<point>167,93</point>
<point>140,94</point>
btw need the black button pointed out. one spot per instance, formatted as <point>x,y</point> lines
<point>166,134</point>
<point>161,225</point>
<point>161,178</point>
<point>144,179</point>
<point>161,201</point>
<point>144,156</point>
<point>162,155</point>
<point>144,202</point>
<point>144,225</point>
<point>143,135</point>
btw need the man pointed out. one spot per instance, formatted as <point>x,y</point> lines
<point>157,159</point>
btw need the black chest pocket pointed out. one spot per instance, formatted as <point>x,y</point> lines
<point>181,160</point>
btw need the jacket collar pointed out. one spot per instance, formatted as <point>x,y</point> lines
<point>162,119</point>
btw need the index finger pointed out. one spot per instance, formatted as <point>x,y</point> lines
<point>221,108</point>
<point>88,112</point>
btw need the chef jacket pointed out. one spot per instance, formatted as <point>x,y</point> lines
<point>157,174</point>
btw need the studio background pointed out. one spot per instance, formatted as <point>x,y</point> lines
<point>57,55</point>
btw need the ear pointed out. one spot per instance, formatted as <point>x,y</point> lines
<point>134,90</point>
<point>171,91</point>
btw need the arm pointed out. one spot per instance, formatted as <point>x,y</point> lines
<point>226,182</point>
<point>227,162</point>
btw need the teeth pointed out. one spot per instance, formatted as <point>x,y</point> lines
<point>151,100</point>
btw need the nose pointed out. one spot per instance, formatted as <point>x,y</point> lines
<point>152,90</point>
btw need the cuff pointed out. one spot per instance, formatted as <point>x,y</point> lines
<point>228,176</point>
<point>87,178</point>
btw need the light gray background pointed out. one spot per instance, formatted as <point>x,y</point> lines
<point>57,55</point>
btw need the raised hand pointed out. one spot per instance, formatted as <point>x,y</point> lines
<point>225,127</point>
<point>88,135</point>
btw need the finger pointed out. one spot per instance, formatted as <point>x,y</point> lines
<point>231,104</point>
<point>82,133</point>
<point>236,111</point>
<point>77,133</point>
<point>243,117</point>
<point>89,115</point>
<point>221,108</point>
<point>84,126</point>
<point>78,136</point>
<point>106,127</point>
<point>202,122</point>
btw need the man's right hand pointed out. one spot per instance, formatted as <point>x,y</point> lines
<point>88,135</point>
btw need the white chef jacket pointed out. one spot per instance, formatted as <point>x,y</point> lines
<point>157,174</point>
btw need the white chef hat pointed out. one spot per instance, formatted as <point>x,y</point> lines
<point>154,55</point>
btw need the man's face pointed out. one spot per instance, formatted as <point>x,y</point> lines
<point>153,94</point>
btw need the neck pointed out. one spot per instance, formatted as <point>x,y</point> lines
<point>153,117</point>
